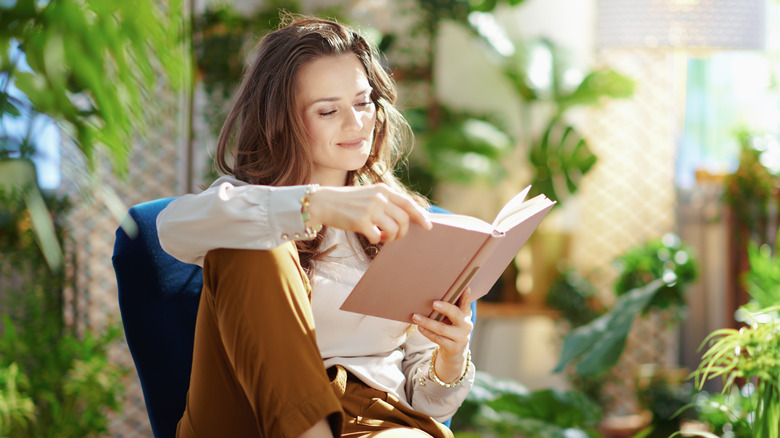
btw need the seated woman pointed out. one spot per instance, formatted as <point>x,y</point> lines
<point>308,198</point>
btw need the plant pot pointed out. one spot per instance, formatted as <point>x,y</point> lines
<point>624,426</point>
<point>548,250</point>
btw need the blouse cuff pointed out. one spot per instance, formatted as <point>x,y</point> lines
<point>285,202</point>
<point>438,401</point>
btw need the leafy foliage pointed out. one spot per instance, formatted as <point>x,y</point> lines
<point>458,10</point>
<point>666,393</point>
<point>559,155</point>
<point>751,352</point>
<point>653,276</point>
<point>595,347</point>
<point>460,147</point>
<point>504,408</point>
<point>575,297</point>
<point>16,408</point>
<point>66,376</point>
<point>93,63</point>
<point>560,158</point>
<point>750,188</point>
<point>668,258</point>
<point>748,356</point>
<point>728,412</point>
<point>20,175</point>
<point>763,279</point>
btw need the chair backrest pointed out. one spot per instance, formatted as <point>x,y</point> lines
<point>158,300</point>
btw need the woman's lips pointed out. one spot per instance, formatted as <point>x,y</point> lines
<point>352,144</point>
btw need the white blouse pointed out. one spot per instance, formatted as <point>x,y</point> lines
<point>387,355</point>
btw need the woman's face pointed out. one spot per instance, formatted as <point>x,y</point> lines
<point>334,98</point>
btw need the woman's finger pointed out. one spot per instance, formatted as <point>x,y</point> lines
<point>388,226</point>
<point>372,233</point>
<point>465,302</point>
<point>445,330</point>
<point>415,212</point>
<point>442,341</point>
<point>400,217</point>
<point>454,313</point>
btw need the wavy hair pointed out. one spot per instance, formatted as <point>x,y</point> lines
<point>264,141</point>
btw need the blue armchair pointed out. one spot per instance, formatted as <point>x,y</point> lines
<point>158,301</point>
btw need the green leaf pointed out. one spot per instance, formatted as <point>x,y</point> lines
<point>762,281</point>
<point>597,85</point>
<point>7,105</point>
<point>560,159</point>
<point>20,174</point>
<point>95,63</point>
<point>561,408</point>
<point>464,148</point>
<point>597,346</point>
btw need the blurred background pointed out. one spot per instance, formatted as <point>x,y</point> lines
<point>653,123</point>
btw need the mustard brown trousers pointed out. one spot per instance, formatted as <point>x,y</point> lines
<point>256,368</point>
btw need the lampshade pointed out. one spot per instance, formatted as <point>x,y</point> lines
<point>705,24</point>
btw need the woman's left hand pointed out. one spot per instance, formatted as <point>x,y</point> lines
<point>452,336</point>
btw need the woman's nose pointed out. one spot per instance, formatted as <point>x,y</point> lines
<point>354,120</point>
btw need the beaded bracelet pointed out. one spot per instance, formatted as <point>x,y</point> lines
<point>432,374</point>
<point>310,232</point>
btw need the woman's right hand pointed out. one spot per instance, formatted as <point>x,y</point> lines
<point>376,211</point>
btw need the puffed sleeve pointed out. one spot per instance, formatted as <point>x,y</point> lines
<point>230,214</point>
<point>424,394</point>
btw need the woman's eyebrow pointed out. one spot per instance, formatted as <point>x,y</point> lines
<point>335,99</point>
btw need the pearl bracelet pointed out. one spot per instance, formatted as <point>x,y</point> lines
<point>310,232</point>
<point>432,373</point>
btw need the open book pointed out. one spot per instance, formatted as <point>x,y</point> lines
<point>409,274</point>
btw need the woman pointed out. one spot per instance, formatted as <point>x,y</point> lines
<point>308,149</point>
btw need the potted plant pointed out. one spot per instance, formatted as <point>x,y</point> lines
<point>747,359</point>
<point>751,354</point>
<point>501,408</point>
<point>653,276</point>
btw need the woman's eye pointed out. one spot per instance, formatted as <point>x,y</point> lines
<point>365,104</point>
<point>327,113</point>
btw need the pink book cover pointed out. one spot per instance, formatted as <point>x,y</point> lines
<point>409,274</point>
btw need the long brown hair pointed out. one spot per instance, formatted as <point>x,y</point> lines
<point>264,141</point>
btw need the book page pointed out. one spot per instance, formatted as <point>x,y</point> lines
<point>522,212</point>
<point>461,221</point>
<point>511,206</point>
<point>508,247</point>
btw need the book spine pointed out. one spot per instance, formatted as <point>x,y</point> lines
<point>465,277</point>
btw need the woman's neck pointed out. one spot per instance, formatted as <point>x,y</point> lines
<point>334,179</point>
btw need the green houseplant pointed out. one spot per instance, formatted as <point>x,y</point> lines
<point>504,408</point>
<point>653,276</point>
<point>668,258</point>
<point>750,354</point>
<point>57,382</point>
<point>89,65</point>
<point>559,155</point>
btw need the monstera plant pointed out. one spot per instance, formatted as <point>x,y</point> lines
<point>559,155</point>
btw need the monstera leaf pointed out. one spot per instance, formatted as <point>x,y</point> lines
<point>596,347</point>
<point>560,159</point>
